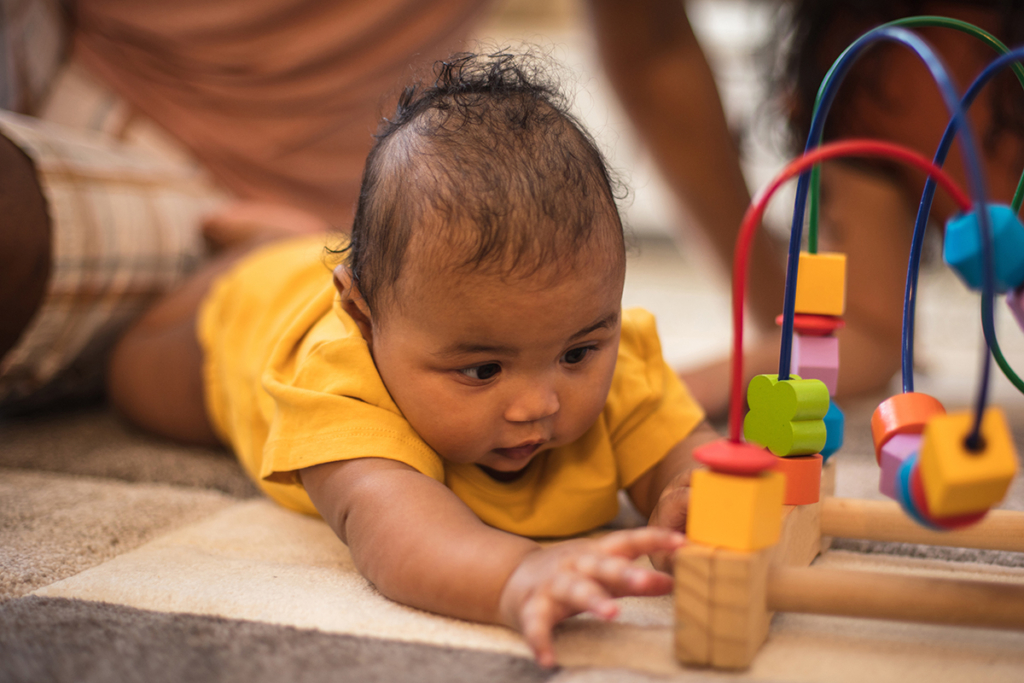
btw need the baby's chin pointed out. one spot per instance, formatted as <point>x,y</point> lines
<point>504,475</point>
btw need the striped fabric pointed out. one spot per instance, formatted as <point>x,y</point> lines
<point>125,225</point>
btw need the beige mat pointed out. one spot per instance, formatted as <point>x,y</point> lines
<point>53,526</point>
<point>256,561</point>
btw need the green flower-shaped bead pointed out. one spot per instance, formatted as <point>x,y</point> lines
<point>786,417</point>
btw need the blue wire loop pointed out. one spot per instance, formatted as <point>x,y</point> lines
<point>921,223</point>
<point>830,86</point>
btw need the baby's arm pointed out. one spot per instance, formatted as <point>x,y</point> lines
<point>420,545</point>
<point>662,493</point>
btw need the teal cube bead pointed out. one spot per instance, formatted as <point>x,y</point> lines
<point>835,423</point>
<point>962,248</point>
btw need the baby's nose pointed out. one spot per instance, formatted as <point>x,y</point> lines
<point>533,403</point>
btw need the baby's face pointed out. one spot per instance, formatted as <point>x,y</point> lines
<point>494,372</point>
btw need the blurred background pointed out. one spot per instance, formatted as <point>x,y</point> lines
<point>672,271</point>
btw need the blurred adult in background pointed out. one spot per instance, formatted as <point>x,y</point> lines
<point>269,101</point>
<point>274,102</point>
<point>868,207</point>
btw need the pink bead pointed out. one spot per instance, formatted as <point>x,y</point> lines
<point>1015,300</point>
<point>816,358</point>
<point>894,452</point>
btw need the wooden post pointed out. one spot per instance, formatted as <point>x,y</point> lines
<point>721,613</point>
<point>902,598</point>
<point>884,521</point>
<point>722,616</point>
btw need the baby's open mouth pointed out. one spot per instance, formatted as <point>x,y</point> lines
<point>520,452</point>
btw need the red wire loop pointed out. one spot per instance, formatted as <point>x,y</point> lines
<point>752,218</point>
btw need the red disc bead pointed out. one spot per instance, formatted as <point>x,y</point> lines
<point>730,457</point>
<point>811,325</point>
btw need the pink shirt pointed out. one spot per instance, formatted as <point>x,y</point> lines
<point>278,98</point>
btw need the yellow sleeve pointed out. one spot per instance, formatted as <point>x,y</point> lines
<point>649,410</point>
<point>330,404</point>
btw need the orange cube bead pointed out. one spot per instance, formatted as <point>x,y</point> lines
<point>735,512</point>
<point>821,284</point>
<point>803,478</point>
<point>906,413</point>
<point>958,481</point>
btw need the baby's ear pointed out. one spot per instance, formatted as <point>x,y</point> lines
<point>353,303</point>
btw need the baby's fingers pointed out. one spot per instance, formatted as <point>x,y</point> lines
<point>636,542</point>
<point>567,595</point>
<point>536,621</point>
<point>621,577</point>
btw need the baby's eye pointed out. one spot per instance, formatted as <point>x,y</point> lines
<point>482,372</point>
<point>573,356</point>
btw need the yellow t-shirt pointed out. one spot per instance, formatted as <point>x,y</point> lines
<point>290,383</point>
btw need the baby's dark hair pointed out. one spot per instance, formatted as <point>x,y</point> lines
<point>492,161</point>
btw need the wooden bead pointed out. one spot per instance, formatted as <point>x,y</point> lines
<point>803,478</point>
<point>730,457</point>
<point>920,501</point>
<point>835,426</point>
<point>894,453</point>
<point>736,512</point>
<point>961,248</point>
<point>905,413</point>
<point>813,325</point>
<point>786,417</point>
<point>817,358</point>
<point>1015,300</point>
<point>903,494</point>
<point>958,481</point>
<point>821,284</point>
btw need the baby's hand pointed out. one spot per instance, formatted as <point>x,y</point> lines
<point>557,582</point>
<point>670,512</point>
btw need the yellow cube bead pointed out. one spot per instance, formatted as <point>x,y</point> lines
<point>958,481</point>
<point>736,512</point>
<point>821,284</point>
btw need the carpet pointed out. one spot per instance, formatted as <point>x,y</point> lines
<point>124,557</point>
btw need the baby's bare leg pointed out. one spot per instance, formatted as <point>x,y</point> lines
<point>155,373</point>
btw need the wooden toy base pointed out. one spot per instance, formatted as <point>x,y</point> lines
<point>725,599</point>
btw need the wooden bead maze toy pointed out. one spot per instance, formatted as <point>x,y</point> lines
<point>757,517</point>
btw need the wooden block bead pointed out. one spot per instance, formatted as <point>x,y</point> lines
<point>730,457</point>
<point>736,512</point>
<point>894,453</point>
<point>786,416</point>
<point>803,478</point>
<point>958,481</point>
<point>905,413</point>
<point>813,325</point>
<point>817,358</point>
<point>920,501</point>
<point>821,284</point>
<point>1015,300</point>
<point>961,248</point>
<point>835,427</point>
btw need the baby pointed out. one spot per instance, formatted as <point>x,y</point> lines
<point>466,382</point>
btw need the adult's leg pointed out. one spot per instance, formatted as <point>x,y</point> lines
<point>24,244</point>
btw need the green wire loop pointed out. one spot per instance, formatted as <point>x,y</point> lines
<point>1018,196</point>
<point>1004,366</point>
<point>907,22</point>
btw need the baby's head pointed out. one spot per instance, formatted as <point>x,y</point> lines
<point>486,264</point>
